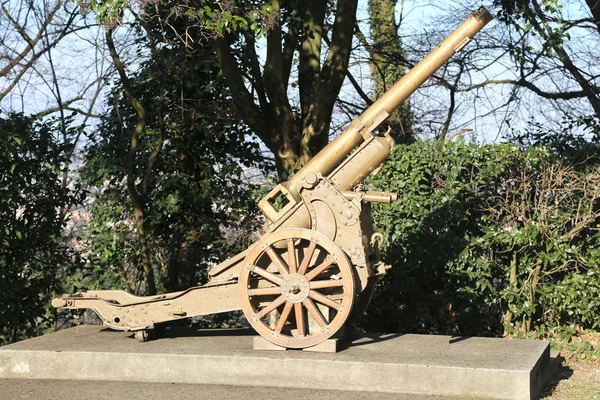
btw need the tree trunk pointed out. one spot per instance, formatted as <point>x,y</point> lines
<point>594,6</point>
<point>265,108</point>
<point>145,252</point>
<point>137,199</point>
<point>512,281</point>
<point>537,275</point>
<point>386,61</point>
<point>182,271</point>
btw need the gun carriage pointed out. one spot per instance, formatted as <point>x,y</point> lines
<point>318,262</point>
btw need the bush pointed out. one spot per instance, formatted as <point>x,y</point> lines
<point>487,239</point>
<point>34,209</point>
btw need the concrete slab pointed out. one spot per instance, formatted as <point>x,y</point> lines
<point>410,364</point>
<point>19,389</point>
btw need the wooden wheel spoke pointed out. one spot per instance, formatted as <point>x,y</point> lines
<point>323,299</point>
<point>299,312</point>
<point>278,301</point>
<point>267,275</point>
<point>276,259</point>
<point>264,291</point>
<point>307,258</point>
<point>292,262</point>
<point>314,311</point>
<point>313,272</point>
<point>285,314</point>
<point>328,283</point>
<point>321,268</point>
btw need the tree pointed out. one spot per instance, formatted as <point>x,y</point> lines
<point>553,48</point>
<point>260,86</point>
<point>37,38</point>
<point>51,65</point>
<point>172,143</point>
<point>319,32</point>
<point>534,63</point>
<point>262,98</point>
<point>386,60</point>
<point>395,40</point>
<point>31,202</point>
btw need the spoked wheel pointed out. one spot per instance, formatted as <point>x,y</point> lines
<point>296,288</point>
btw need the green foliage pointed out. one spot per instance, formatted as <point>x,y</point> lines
<point>541,19</point>
<point>196,199</point>
<point>210,18</point>
<point>486,239</point>
<point>110,249</point>
<point>33,213</point>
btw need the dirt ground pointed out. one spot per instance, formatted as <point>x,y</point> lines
<point>578,376</point>
<point>576,379</point>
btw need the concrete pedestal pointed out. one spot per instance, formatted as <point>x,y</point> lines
<point>413,364</point>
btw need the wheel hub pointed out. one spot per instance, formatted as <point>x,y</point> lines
<point>295,288</point>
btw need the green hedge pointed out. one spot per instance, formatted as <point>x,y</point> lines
<point>486,239</point>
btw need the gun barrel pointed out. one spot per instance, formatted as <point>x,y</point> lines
<point>397,94</point>
<point>360,129</point>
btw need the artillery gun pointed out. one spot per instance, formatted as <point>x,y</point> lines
<point>318,262</point>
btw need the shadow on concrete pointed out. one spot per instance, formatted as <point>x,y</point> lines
<point>370,338</point>
<point>173,332</point>
<point>457,339</point>
<point>176,331</point>
<point>564,372</point>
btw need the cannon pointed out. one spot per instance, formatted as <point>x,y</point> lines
<point>316,265</point>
